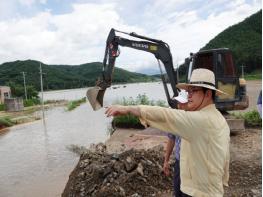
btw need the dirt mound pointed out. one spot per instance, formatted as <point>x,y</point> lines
<point>131,173</point>
<point>138,172</point>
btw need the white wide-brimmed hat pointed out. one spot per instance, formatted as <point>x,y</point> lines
<point>182,96</point>
<point>202,78</point>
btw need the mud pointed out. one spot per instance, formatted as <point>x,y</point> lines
<point>131,173</point>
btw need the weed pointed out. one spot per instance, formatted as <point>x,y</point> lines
<point>2,107</point>
<point>130,121</point>
<point>6,122</point>
<point>31,102</point>
<point>73,104</point>
<point>252,118</point>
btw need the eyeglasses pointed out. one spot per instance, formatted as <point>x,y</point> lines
<point>192,91</point>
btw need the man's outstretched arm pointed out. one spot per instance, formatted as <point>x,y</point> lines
<point>116,110</point>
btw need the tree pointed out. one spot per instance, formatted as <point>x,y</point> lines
<point>18,90</point>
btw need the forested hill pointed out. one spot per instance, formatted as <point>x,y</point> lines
<point>62,76</point>
<point>245,41</point>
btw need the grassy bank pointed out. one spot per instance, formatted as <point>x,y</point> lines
<point>29,114</point>
<point>255,75</point>
<point>252,118</point>
<point>130,121</point>
<point>6,122</point>
<point>73,104</point>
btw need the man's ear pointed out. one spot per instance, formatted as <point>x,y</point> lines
<point>209,93</point>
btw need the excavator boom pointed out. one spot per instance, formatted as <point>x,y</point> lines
<point>158,48</point>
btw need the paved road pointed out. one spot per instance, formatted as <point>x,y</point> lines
<point>253,89</point>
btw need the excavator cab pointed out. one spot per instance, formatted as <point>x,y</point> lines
<point>220,61</point>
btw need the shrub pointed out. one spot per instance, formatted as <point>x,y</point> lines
<point>6,122</point>
<point>127,121</point>
<point>31,102</point>
<point>2,107</point>
<point>252,118</point>
<point>130,121</point>
<point>73,104</point>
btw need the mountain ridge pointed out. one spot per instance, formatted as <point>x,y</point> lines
<point>63,76</point>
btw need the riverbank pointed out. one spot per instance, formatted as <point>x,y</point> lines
<point>29,114</point>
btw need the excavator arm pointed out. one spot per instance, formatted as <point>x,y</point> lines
<point>158,48</point>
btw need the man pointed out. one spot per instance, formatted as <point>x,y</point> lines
<point>182,99</point>
<point>204,159</point>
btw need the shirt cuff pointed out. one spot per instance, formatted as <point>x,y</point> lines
<point>142,118</point>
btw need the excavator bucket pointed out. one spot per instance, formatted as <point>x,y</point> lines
<point>95,96</point>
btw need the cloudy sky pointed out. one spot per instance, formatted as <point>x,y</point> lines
<point>74,31</point>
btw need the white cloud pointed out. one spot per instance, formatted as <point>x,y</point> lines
<point>79,36</point>
<point>73,38</point>
<point>190,35</point>
<point>31,2</point>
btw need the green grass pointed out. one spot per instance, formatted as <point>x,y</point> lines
<point>127,121</point>
<point>130,121</point>
<point>2,107</point>
<point>255,75</point>
<point>6,122</point>
<point>31,102</point>
<point>252,118</point>
<point>73,104</point>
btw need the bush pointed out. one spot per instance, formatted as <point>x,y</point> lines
<point>73,104</point>
<point>6,122</point>
<point>252,118</point>
<point>127,121</point>
<point>130,121</point>
<point>31,102</point>
<point>2,107</point>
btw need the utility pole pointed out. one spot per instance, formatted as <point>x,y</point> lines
<point>177,73</point>
<point>24,77</point>
<point>242,67</point>
<point>41,86</point>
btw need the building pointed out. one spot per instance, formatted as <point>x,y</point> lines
<point>14,104</point>
<point>5,92</point>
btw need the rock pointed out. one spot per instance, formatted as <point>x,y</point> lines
<point>98,174</point>
<point>140,169</point>
<point>130,164</point>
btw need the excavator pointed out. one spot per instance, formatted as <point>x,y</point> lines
<point>219,61</point>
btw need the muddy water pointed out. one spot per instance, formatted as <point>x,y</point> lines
<point>35,160</point>
<point>152,90</point>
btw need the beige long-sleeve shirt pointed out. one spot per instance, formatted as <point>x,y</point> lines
<point>205,142</point>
